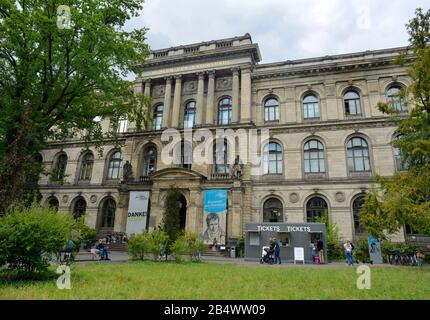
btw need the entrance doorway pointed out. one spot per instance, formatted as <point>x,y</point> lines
<point>182,212</point>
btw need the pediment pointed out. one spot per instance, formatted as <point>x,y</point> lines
<point>177,174</point>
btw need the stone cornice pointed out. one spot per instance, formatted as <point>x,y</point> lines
<point>250,49</point>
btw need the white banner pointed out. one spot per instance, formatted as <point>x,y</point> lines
<point>137,212</point>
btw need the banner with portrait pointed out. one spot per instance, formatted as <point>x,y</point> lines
<point>137,212</point>
<point>214,217</point>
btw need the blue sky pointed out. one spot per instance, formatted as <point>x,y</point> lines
<point>284,29</point>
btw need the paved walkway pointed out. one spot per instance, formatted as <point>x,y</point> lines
<point>121,257</point>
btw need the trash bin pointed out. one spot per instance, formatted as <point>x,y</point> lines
<point>233,252</point>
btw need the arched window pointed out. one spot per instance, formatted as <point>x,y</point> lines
<point>314,157</point>
<point>220,157</point>
<point>157,120</point>
<point>358,155</point>
<point>60,167</point>
<point>395,100</point>
<point>122,124</point>
<point>271,110</point>
<point>53,204</point>
<point>114,165</point>
<point>316,207</point>
<point>108,214</point>
<point>398,155</point>
<point>224,111</point>
<point>310,107</point>
<point>272,158</point>
<point>352,103</point>
<point>149,161</point>
<point>356,206</point>
<point>273,211</point>
<point>190,114</point>
<point>86,167</point>
<point>79,208</point>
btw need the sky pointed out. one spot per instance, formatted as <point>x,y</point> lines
<point>283,29</point>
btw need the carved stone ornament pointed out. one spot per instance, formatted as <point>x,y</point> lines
<point>65,199</point>
<point>159,91</point>
<point>340,197</point>
<point>294,197</point>
<point>93,199</point>
<point>190,86</point>
<point>224,84</point>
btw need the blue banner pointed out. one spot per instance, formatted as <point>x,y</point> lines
<point>215,201</point>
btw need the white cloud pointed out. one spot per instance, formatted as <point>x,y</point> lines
<point>284,29</point>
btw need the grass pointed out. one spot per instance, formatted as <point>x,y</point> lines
<point>165,281</point>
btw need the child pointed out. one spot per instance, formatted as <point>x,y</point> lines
<point>314,255</point>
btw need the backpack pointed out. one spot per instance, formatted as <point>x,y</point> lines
<point>352,246</point>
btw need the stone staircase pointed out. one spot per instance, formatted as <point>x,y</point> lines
<point>210,253</point>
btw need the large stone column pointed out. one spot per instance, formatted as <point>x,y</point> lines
<point>245,100</point>
<point>177,101</point>
<point>147,91</point>
<point>167,102</point>
<point>235,98</point>
<point>200,97</point>
<point>210,99</point>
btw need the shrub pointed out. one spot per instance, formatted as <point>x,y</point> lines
<point>157,243</point>
<point>240,247</point>
<point>387,246</point>
<point>361,250</point>
<point>334,247</point>
<point>180,248</point>
<point>82,234</point>
<point>29,238</point>
<point>138,246</point>
<point>195,245</point>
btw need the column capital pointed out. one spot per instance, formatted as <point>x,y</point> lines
<point>235,71</point>
<point>211,73</point>
<point>146,81</point>
<point>246,68</point>
<point>200,75</point>
<point>168,79</point>
<point>178,77</point>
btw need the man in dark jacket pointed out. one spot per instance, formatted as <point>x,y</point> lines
<point>277,251</point>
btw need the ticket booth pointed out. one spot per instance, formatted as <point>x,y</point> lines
<point>295,240</point>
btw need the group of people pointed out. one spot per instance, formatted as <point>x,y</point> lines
<point>101,248</point>
<point>275,249</point>
<point>318,252</point>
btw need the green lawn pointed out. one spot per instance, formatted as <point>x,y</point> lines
<point>148,280</point>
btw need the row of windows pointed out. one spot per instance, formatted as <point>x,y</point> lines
<point>273,211</point>
<point>311,109</point>
<point>357,149</point>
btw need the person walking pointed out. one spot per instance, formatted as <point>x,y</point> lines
<point>277,251</point>
<point>348,252</point>
<point>320,250</point>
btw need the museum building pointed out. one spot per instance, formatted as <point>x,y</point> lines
<point>326,140</point>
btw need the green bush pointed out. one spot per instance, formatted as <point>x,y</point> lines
<point>82,234</point>
<point>157,242</point>
<point>240,247</point>
<point>361,250</point>
<point>29,238</point>
<point>180,248</point>
<point>195,245</point>
<point>138,246</point>
<point>334,247</point>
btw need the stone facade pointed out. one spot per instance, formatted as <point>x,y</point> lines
<point>208,72</point>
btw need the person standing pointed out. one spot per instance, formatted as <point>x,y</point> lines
<point>348,253</point>
<point>277,251</point>
<point>320,250</point>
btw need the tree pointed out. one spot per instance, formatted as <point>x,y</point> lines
<point>405,199</point>
<point>171,223</point>
<point>56,76</point>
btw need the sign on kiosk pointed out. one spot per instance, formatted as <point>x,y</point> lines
<point>299,255</point>
<point>137,212</point>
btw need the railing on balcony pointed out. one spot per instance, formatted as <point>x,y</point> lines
<point>220,176</point>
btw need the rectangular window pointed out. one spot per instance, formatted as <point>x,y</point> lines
<point>284,238</point>
<point>254,239</point>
